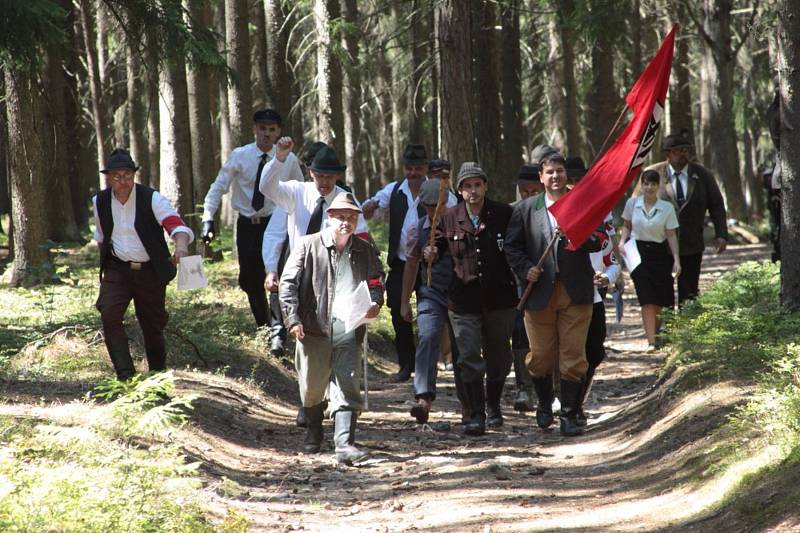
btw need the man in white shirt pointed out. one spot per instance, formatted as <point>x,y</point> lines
<point>240,175</point>
<point>135,263</point>
<point>402,200</point>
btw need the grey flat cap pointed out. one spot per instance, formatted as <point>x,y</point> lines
<point>470,169</point>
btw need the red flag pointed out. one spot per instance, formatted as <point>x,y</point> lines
<point>584,208</point>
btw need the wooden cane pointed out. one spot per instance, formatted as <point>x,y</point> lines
<point>529,288</point>
<point>441,202</point>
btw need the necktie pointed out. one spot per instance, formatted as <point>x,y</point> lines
<point>680,196</point>
<point>258,198</point>
<point>315,222</point>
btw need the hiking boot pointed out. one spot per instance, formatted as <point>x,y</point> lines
<point>313,440</point>
<point>344,436</point>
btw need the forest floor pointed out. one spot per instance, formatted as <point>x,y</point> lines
<point>642,464</point>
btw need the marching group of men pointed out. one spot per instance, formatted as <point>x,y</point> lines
<point>304,248</point>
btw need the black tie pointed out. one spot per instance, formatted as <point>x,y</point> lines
<point>258,198</point>
<point>680,197</point>
<point>315,223</point>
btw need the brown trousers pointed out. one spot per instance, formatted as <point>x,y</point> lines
<point>558,333</point>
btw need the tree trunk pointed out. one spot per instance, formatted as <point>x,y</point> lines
<point>176,144</point>
<point>512,91</point>
<point>570,88</point>
<point>456,51</point>
<point>724,154</point>
<point>400,74</point>
<point>789,79</point>
<point>602,100</point>
<point>329,77</point>
<point>258,52</point>
<point>279,82</point>
<point>436,70</point>
<point>751,180</point>
<point>486,76</point>
<point>680,94</point>
<point>240,96</point>
<point>416,125</point>
<point>151,102</point>
<point>635,23</point>
<point>555,91</point>
<point>351,101</point>
<point>388,171</point>
<point>27,172</point>
<point>137,116</point>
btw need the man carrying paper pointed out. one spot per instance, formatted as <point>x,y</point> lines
<point>323,269</point>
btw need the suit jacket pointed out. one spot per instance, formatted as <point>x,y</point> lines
<point>702,195</point>
<point>526,239</point>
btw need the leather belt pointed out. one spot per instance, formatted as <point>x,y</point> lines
<point>254,220</point>
<point>132,265</point>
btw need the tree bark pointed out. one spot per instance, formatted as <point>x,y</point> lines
<point>153,122</point>
<point>436,70</point>
<point>27,173</point>
<point>680,94</point>
<point>456,51</point>
<point>789,80</point>
<point>351,101</point>
<point>240,95</point>
<point>279,82</point>
<point>137,116</point>
<point>258,52</point>
<point>399,91</point>
<point>570,88</point>
<point>513,143</point>
<point>603,101</point>
<point>329,77</point>
<point>416,125</point>
<point>555,90</point>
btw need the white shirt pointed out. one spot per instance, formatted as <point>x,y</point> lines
<point>382,198</point>
<point>298,199</point>
<point>239,173</point>
<point>125,242</point>
<point>649,225</point>
<point>682,175</point>
<point>274,235</point>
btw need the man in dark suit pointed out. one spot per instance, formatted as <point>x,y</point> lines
<point>693,191</point>
<point>559,309</point>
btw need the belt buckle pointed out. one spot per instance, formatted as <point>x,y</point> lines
<point>255,219</point>
<point>135,266</point>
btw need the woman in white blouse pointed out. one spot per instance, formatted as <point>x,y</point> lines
<point>652,223</point>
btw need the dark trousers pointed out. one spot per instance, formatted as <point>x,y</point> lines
<point>520,348</point>
<point>119,286</point>
<point>249,238</point>
<point>595,338</point>
<point>403,331</point>
<point>275,316</point>
<point>689,280</point>
<point>483,342</point>
<point>431,318</point>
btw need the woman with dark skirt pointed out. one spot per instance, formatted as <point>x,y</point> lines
<point>652,223</point>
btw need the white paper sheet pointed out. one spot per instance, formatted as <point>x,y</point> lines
<point>352,310</point>
<point>190,273</point>
<point>632,257</point>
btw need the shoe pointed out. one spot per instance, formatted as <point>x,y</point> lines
<point>523,402</point>
<point>300,421</point>
<point>276,347</point>
<point>403,375</point>
<point>544,409</point>
<point>477,401</point>
<point>570,400</point>
<point>344,436</point>
<point>313,440</point>
<point>421,410</point>
<point>494,393</point>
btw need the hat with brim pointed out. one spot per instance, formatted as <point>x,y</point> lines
<point>310,151</point>
<point>575,167</point>
<point>344,201</point>
<point>119,159</point>
<point>676,141</point>
<point>527,175</point>
<point>540,151</point>
<point>415,154</point>
<point>327,162</point>
<point>429,192</point>
<point>436,165</point>
<point>470,169</point>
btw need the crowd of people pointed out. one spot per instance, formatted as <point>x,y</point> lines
<point>497,285</point>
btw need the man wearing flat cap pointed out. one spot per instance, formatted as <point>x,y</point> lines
<point>482,294</point>
<point>324,268</point>
<point>240,175</point>
<point>402,200</point>
<point>135,264</point>
<point>693,191</point>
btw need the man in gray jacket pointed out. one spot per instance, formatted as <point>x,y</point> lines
<point>322,273</point>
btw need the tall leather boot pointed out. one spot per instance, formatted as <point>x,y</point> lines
<point>586,385</point>
<point>494,393</point>
<point>120,353</point>
<point>314,433</point>
<point>570,399</point>
<point>477,402</point>
<point>544,410</point>
<point>344,436</point>
<point>524,400</point>
<point>300,420</point>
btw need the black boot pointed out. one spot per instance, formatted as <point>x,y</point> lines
<point>300,420</point>
<point>580,416</point>
<point>344,436</point>
<point>477,403</point>
<point>544,411</point>
<point>570,399</point>
<point>120,353</point>
<point>314,434</point>
<point>494,393</point>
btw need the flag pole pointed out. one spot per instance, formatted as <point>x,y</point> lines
<point>529,288</point>
<point>610,133</point>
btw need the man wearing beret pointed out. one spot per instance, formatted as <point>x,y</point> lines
<point>693,191</point>
<point>402,200</point>
<point>135,263</point>
<point>240,175</point>
<point>323,269</point>
<point>482,294</point>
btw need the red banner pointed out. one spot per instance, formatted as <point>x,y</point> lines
<point>584,208</point>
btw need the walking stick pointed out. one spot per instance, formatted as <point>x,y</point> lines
<point>529,288</point>
<point>365,348</point>
<point>441,202</point>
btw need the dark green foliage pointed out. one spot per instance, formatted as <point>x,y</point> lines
<point>26,26</point>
